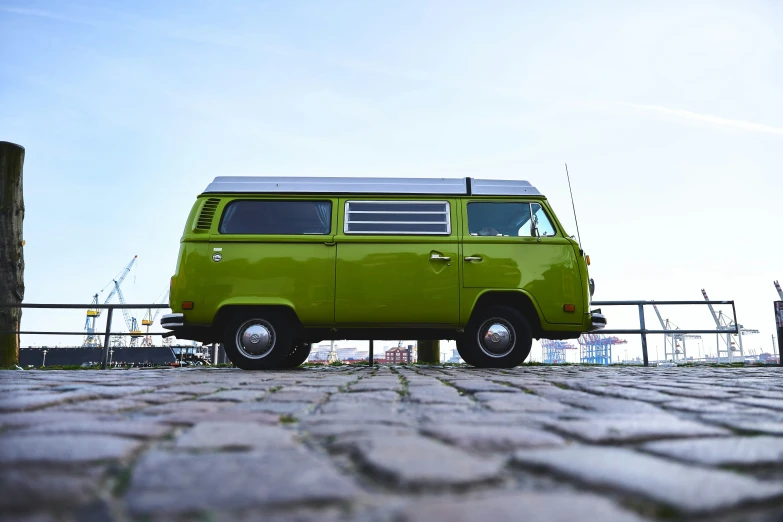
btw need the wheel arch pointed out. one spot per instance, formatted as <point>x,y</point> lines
<point>517,299</point>
<point>227,311</point>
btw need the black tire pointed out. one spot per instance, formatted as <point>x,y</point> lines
<point>479,348</point>
<point>297,356</point>
<point>264,356</point>
<point>464,352</point>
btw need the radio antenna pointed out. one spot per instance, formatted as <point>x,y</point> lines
<point>573,207</point>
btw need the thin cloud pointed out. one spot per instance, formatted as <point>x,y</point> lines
<point>709,119</point>
<point>45,14</point>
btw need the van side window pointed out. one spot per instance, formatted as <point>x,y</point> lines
<point>397,217</point>
<point>508,219</point>
<point>276,217</point>
<point>542,222</point>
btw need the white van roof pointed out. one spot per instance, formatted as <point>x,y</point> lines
<point>314,185</point>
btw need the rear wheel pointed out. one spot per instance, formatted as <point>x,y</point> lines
<point>497,337</point>
<point>297,356</point>
<point>257,341</point>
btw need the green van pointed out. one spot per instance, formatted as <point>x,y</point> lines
<point>269,265</point>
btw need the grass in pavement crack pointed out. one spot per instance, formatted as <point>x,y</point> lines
<point>404,392</point>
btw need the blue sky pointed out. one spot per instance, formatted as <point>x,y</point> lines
<point>669,114</point>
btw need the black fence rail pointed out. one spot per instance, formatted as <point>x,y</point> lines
<point>642,331</point>
<point>106,335</point>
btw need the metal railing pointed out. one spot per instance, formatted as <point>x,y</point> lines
<point>643,331</point>
<point>107,334</point>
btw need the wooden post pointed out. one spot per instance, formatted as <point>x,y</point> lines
<point>428,352</point>
<point>11,254</point>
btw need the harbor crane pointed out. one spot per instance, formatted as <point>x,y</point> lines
<point>597,348</point>
<point>723,322</point>
<point>671,341</point>
<point>555,351</point>
<point>91,340</point>
<point>149,318</point>
<point>130,321</point>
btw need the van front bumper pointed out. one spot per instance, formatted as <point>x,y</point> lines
<point>172,321</point>
<point>597,320</point>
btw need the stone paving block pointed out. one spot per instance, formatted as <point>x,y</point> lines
<point>625,392</point>
<point>107,392</point>
<point>163,397</point>
<point>244,435</point>
<point>377,384</point>
<point>480,385</point>
<point>302,394</point>
<point>280,408</point>
<point>100,406</point>
<point>518,506</point>
<point>371,416</point>
<point>366,396</point>
<point>492,438</point>
<point>191,406</point>
<point>234,396</point>
<point>24,489</point>
<point>126,428</point>
<point>32,418</point>
<point>711,406</point>
<point>744,451</point>
<point>632,428</point>
<point>189,419</point>
<point>775,404</point>
<point>482,417</point>
<point>684,487</point>
<point>65,448</point>
<point>358,407</point>
<point>415,460</point>
<point>355,429</point>
<point>757,423</point>
<point>766,394</point>
<point>32,401</point>
<point>421,382</point>
<point>702,392</point>
<point>594,402</point>
<point>437,394</point>
<point>172,483</point>
<point>193,389</point>
<point>514,402</point>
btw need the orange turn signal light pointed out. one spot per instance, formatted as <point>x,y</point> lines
<point>587,260</point>
<point>569,308</point>
<point>187,305</point>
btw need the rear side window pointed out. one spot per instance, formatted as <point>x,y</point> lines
<point>398,217</point>
<point>276,217</point>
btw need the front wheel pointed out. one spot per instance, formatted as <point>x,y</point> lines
<point>498,337</point>
<point>257,341</point>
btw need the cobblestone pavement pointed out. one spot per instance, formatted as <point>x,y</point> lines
<point>393,443</point>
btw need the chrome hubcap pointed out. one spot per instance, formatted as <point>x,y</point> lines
<point>496,337</point>
<point>255,338</point>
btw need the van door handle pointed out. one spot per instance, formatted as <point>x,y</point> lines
<point>439,257</point>
<point>471,259</point>
<point>332,243</point>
